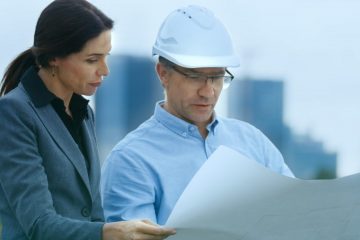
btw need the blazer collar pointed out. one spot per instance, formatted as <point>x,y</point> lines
<point>35,87</point>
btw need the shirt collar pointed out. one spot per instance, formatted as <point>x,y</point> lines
<point>178,125</point>
<point>41,96</point>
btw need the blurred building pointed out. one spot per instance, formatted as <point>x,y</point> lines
<point>307,156</point>
<point>126,98</point>
<point>260,102</point>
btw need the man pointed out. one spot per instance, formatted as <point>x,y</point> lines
<point>148,170</point>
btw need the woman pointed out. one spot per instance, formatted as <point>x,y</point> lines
<point>49,177</point>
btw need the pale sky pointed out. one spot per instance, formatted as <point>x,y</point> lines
<point>313,45</point>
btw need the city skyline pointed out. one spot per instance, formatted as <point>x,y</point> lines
<point>311,45</point>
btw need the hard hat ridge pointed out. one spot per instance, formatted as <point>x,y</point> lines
<point>200,15</point>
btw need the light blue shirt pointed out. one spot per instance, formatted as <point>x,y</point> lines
<point>148,170</point>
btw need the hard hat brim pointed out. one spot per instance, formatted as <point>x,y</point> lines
<point>199,61</point>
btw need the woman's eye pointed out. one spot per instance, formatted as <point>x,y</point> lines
<point>91,60</point>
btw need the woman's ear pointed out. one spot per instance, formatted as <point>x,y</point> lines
<point>54,62</point>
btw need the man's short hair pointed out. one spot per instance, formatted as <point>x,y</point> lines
<point>165,62</point>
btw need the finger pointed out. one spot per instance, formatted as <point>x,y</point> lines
<point>149,222</point>
<point>155,230</point>
<point>144,236</point>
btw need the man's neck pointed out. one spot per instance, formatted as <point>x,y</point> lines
<point>203,131</point>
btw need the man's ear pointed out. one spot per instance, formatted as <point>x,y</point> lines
<point>163,73</point>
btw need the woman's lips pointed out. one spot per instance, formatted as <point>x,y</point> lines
<point>96,84</point>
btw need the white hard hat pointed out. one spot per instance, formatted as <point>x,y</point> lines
<point>193,37</point>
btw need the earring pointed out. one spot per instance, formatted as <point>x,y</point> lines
<point>53,71</point>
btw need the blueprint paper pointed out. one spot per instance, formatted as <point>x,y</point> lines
<point>234,198</point>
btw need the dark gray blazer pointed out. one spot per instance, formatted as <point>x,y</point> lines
<point>46,191</point>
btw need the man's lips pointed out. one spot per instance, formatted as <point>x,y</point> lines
<point>202,105</point>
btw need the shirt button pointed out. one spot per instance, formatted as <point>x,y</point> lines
<point>184,134</point>
<point>85,212</point>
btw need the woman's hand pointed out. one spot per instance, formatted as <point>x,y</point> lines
<point>135,230</point>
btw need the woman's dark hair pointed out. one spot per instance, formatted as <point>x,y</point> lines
<point>63,28</point>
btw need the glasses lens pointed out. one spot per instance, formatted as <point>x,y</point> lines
<point>199,78</point>
<point>227,81</point>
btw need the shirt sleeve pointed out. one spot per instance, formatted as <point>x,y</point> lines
<point>128,192</point>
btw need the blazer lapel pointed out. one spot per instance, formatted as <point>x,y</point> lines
<point>64,140</point>
<point>91,148</point>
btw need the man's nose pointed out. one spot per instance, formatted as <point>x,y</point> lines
<point>207,88</point>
